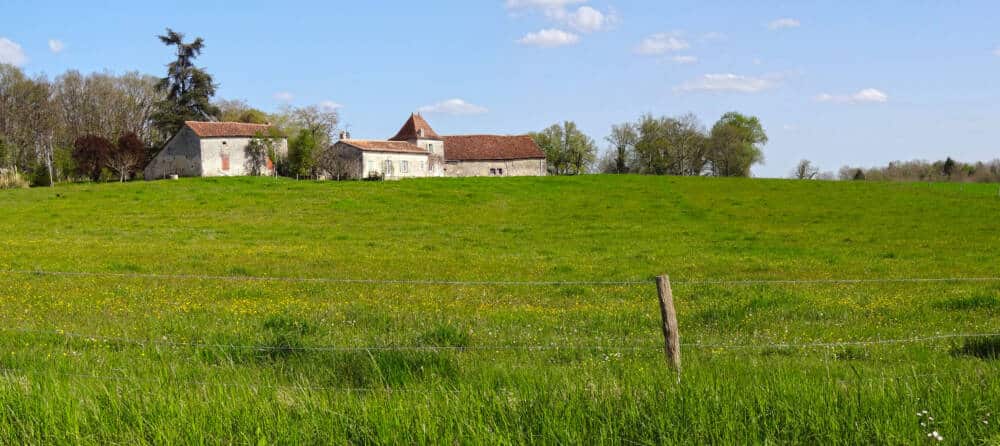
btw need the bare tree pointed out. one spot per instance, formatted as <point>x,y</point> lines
<point>805,170</point>
<point>338,164</point>
<point>320,122</point>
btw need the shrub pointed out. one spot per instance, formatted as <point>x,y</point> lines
<point>10,179</point>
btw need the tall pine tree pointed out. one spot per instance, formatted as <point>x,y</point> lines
<point>188,89</point>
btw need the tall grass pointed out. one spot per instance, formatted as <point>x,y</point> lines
<point>137,359</point>
<point>10,179</point>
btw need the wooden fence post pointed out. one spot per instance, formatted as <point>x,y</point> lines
<point>671,335</point>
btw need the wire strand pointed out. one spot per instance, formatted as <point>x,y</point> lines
<point>326,279</point>
<point>419,348</point>
<point>737,282</point>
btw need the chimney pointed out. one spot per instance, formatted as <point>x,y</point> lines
<point>344,135</point>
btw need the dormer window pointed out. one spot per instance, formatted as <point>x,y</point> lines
<point>420,133</point>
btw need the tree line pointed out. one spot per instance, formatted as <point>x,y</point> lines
<point>659,146</point>
<point>105,126</point>
<point>947,170</point>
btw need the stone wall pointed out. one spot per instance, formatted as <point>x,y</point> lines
<point>415,164</point>
<point>215,150</point>
<point>187,155</point>
<point>181,156</point>
<point>510,168</point>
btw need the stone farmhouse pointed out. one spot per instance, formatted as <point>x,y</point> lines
<point>211,149</point>
<point>418,151</point>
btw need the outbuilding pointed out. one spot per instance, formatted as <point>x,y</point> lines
<point>213,149</point>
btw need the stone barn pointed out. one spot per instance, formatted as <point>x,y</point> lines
<point>418,151</point>
<point>211,149</point>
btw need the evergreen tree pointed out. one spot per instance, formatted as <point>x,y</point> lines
<point>188,89</point>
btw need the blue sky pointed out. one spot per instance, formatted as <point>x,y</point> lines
<point>837,82</point>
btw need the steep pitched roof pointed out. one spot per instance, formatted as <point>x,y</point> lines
<point>384,146</point>
<point>226,129</point>
<point>490,147</point>
<point>411,130</point>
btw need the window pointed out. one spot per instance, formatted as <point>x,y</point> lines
<point>430,148</point>
<point>405,167</point>
<point>388,167</point>
<point>500,171</point>
<point>225,162</point>
<point>423,166</point>
<point>493,171</point>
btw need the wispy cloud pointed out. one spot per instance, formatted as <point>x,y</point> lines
<point>866,96</point>
<point>541,4</point>
<point>329,106</point>
<point>685,60</point>
<point>284,96</point>
<point>454,107</point>
<point>11,53</point>
<point>661,43</point>
<point>784,23</point>
<point>728,82</point>
<point>549,38</point>
<point>713,36</point>
<point>56,46</point>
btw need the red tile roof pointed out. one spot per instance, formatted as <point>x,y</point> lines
<point>411,130</point>
<point>490,147</point>
<point>384,146</point>
<point>226,129</point>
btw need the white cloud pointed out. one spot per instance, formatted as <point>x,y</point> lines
<point>866,96</point>
<point>453,107</point>
<point>784,23</point>
<point>662,43</point>
<point>11,53</point>
<point>549,38</point>
<point>284,96</point>
<point>685,60</point>
<point>56,46</point>
<point>329,106</point>
<point>588,20</point>
<point>730,82</point>
<point>584,19</point>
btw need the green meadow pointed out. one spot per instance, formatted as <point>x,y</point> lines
<point>499,311</point>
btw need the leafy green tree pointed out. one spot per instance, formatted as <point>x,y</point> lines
<point>188,89</point>
<point>948,168</point>
<point>302,150</point>
<point>735,145</point>
<point>240,111</point>
<point>622,139</point>
<point>261,149</point>
<point>568,150</point>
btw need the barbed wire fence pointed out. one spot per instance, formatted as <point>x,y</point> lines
<point>671,345</point>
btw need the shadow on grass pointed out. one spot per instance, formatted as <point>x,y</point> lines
<point>983,348</point>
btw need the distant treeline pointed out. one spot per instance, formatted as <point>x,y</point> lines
<point>919,170</point>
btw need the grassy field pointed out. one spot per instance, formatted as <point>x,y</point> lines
<point>176,342</point>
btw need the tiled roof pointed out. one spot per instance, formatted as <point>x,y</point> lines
<point>490,147</point>
<point>411,130</point>
<point>384,146</point>
<point>226,129</point>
